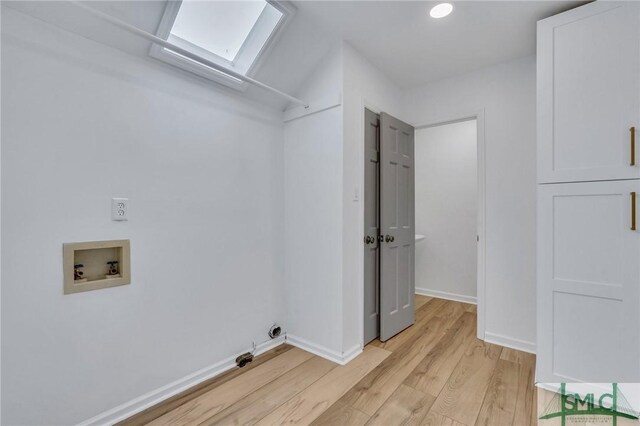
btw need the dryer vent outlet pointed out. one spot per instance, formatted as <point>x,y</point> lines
<point>275,331</point>
<point>244,359</point>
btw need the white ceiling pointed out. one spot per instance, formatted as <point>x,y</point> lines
<point>403,41</point>
<point>398,37</point>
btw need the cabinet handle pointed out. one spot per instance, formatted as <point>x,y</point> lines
<point>633,211</point>
<point>633,146</point>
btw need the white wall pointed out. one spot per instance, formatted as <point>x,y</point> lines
<point>364,86</point>
<point>507,95</point>
<point>313,215</point>
<point>323,174</point>
<point>0,223</point>
<point>446,188</point>
<point>204,172</point>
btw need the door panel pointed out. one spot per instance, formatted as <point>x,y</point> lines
<point>397,252</point>
<point>588,93</point>
<point>371,226</point>
<point>589,280</point>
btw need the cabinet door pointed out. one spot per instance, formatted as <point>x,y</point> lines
<point>588,283</point>
<point>588,93</point>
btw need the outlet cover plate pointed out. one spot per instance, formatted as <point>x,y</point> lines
<point>119,209</point>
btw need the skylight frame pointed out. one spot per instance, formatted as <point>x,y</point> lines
<point>241,63</point>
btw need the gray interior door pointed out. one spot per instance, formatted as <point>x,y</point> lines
<point>371,226</point>
<point>397,226</point>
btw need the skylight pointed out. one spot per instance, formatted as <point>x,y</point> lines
<point>234,34</point>
<point>221,27</point>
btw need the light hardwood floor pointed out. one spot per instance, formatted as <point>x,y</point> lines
<point>434,373</point>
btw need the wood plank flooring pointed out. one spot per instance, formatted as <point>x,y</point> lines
<point>434,373</point>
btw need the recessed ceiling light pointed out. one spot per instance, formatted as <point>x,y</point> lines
<point>441,10</point>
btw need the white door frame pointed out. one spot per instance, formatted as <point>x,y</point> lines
<point>373,107</point>
<point>481,220</point>
<point>479,116</point>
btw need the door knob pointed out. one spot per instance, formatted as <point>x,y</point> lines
<point>389,238</point>
<point>380,238</point>
<point>369,240</point>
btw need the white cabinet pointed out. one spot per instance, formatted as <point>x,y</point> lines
<point>588,93</point>
<point>588,294</point>
<point>588,283</point>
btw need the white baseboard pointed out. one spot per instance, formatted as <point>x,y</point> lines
<point>510,342</point>
<point>156,396</point>
<point>351,354</point>
<point>321,351</point>
<point>489,337</point>
<point>445,295</point>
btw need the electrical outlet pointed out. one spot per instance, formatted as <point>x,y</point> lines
<point>119,209</point>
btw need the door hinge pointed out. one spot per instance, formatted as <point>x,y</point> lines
<point>478,238</point>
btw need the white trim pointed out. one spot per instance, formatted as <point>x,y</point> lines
<point>371,106</point>
<point>445,295</point>
<point>351,354</point>
<point>479,116</point>
<point>323,352</point>
<point>482,227</point>
<point>136,405</point>
<point>509,342</point>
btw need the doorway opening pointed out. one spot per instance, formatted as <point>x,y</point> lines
<point>434,128</point>
<point>446,161</point>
